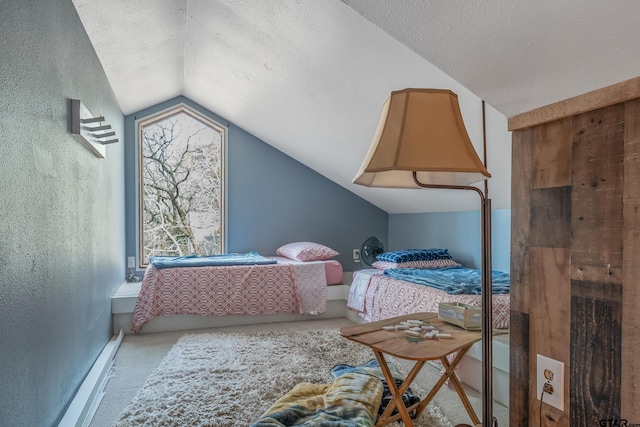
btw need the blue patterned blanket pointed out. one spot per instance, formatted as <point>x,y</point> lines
<point>405,255</point>
<point>452,280</point>
<point>250,258</point>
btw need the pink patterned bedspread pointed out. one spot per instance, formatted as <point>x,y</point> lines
<point>285,287</point>
<point>375,296</point>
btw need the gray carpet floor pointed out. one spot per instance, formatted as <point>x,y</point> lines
<point>139,355</point>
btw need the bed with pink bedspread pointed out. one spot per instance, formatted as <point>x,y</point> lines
<point>376,296</point>
<point>287,286</point>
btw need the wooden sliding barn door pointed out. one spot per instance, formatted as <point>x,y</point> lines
<point>575,265</point>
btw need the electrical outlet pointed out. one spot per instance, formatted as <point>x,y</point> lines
<point>131,262</point>
<point>552,372</point>
<point>356,255</point>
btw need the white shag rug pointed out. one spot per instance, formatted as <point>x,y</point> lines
<point>230,379</point>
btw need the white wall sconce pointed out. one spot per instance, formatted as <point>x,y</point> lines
<point>90,130</point>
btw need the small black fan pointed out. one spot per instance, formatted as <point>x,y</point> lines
<point>371,248</point>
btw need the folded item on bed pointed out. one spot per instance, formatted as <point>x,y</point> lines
<point>426,263</point>
<point>405,255</point>
<point>452,280</point>
<point>358,288</point>
<point>250,258</point>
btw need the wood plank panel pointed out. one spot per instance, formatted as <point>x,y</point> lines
<point>521,170</point>
<point>631,266</point>
<point>609,95</point>
<point>551,217</point>
<point>549,322</point>
<point>603,291</point>
<point>596,353</point>
<point>552,154</point>
<point>596,221</point>
<point>584,231</point>
<point>519,369</point>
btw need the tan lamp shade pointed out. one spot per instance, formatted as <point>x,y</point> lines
<point>422,131</point>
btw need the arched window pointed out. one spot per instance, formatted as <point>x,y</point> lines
<point>181,176</point>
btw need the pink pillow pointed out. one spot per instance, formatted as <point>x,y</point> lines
<point>433,263</point>
<point>306,251</point>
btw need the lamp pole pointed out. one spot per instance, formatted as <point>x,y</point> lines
<point>487,300</point>
<point>487,317</point>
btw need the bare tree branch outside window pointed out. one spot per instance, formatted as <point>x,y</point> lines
<point>182,187</point>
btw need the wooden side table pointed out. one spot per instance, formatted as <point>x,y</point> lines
<point>419,349</point>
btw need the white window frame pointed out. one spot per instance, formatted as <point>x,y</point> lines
<point>157,116</point>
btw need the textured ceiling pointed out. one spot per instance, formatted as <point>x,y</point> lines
<point>518,54</point>
<point>309,77</point>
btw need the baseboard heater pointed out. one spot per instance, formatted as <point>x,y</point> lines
<point>86,400</point>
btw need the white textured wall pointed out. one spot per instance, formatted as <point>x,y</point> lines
<point>61,212</point>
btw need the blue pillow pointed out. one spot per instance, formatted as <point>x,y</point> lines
<point>406,255</point>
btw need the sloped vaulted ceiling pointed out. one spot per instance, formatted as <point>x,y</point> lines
<point>309,77</point>
<point>518,55</point>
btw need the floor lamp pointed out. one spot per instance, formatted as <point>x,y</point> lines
<point>421,142</point>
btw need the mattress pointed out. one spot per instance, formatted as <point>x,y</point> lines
<point>333,271</point>
<point>375,296</point>
<point>332,268</point>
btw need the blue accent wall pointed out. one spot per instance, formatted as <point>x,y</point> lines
<point>272,199</point>
<point>457,231</point>
<point>61,213</point>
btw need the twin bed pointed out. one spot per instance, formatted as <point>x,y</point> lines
<point>418,280</point>
<point>374,296</point>
<point>242,284</point>
<point>296,282</point>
